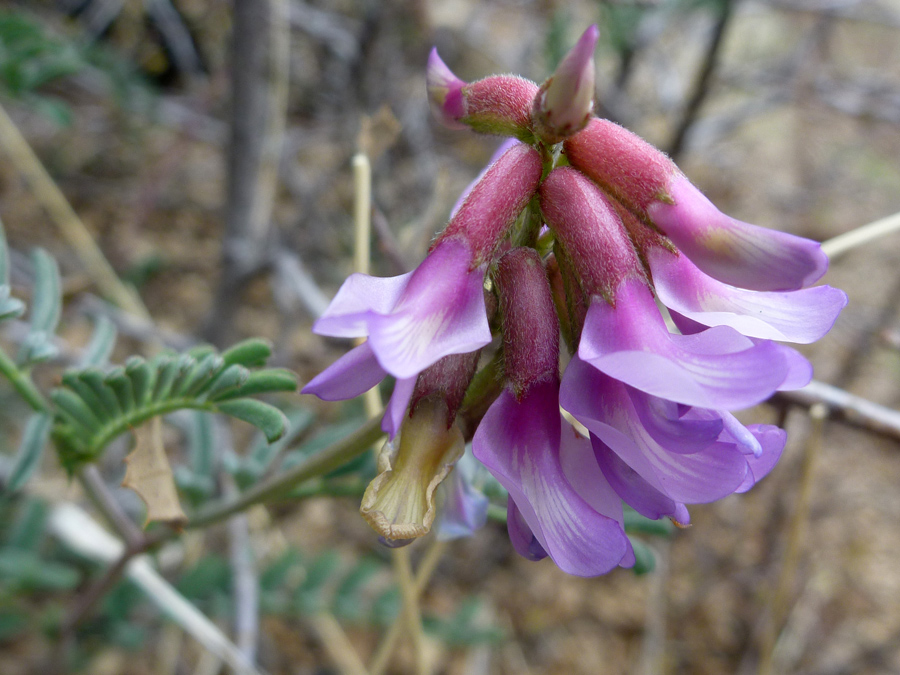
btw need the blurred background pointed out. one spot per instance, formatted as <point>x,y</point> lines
<point>206,145</point>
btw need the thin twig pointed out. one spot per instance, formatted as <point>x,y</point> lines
<point>100,495</point>
<point>387,242</point>
<point>704,77</point>
<point>362,234</point>
<point>653,646</point>
<point>245,584</point>
<point>177,36</point>
<point>86,601</point>
<point>260,65</point>
<point>77,530</point>
<point>426,568</point>
<point>70,226</point>
<point>135,543</point>
<point>779,600</point>
<point>292,276</point>
<point>338,645</point>
<point>410,598</point>
<point>839,245</point>
<point>846,407</point>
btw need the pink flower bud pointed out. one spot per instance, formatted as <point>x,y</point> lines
<point>500,104</point>
<point>591,233</point>
<point>495,202</point>
<point>565,101</point>
<point>444,92</point>
<point>530,327</point>
<point>622,163</point>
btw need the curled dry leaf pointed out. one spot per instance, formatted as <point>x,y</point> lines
<point>150,476</point>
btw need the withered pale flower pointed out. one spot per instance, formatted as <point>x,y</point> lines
<point>399,503</point>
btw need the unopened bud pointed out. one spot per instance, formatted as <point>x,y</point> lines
<point>565,101</point>
<point>444,92</point>
<point>499,104</point>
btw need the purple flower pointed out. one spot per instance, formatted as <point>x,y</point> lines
<point>500,104</point>
<point>648,183</point>
<point>464,508</point>
<point>659,455</point>
<point>554,483</point>
<point>672,311</point>
<point>411,321</point>
<point>561,505</point>
<point>655,400</point>
<point>801,316</point>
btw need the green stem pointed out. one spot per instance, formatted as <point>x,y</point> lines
<point>496,513</point>
<point>23,384</point>
<point>321,463</point>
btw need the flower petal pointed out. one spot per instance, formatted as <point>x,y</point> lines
<point>399,502</point>
<point>737,253</point>
<point>519,442</point>
<point>397,405</point>
<point>586,393</point>
<point>801,316</point>
<point>800,370</point>
<point>740,435</point>
<point>717,368</point>
<point>609,411</point>
<point>355,372</point>
<point>441,312</point>
<point>359,298</point>
<point>464,509</point>
<point>520,534</point>
<point>634,490</point>
<point>583,472</point>
<point>444,92</point>
<point>772,440</point>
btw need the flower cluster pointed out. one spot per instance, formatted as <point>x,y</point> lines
<point>672,314</point>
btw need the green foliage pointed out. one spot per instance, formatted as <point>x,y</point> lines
<point>10,308</point>
<point>94,406</point>
<point>635,523</point>
<point>197,481</point>
<point>30,57</point>
<point>31,449</point>
<point>357,591</point>
<point>466,627</point>
<point>24,567</point>
<point>46,307</point>
<point>644,559</point>
<point>261,454</point>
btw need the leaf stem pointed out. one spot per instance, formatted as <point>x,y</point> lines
<point>322,462</point>
<point>23,385</point>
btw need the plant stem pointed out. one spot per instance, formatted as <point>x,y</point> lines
<point>410,595</point>
<point>780,599</point>
<point>322,462</point>
<point>839,245</point>
<point>23,385</point>
<point>426,568</point>
<point>26,162</point>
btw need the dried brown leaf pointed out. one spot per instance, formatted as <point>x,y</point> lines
<point>150,475</point>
